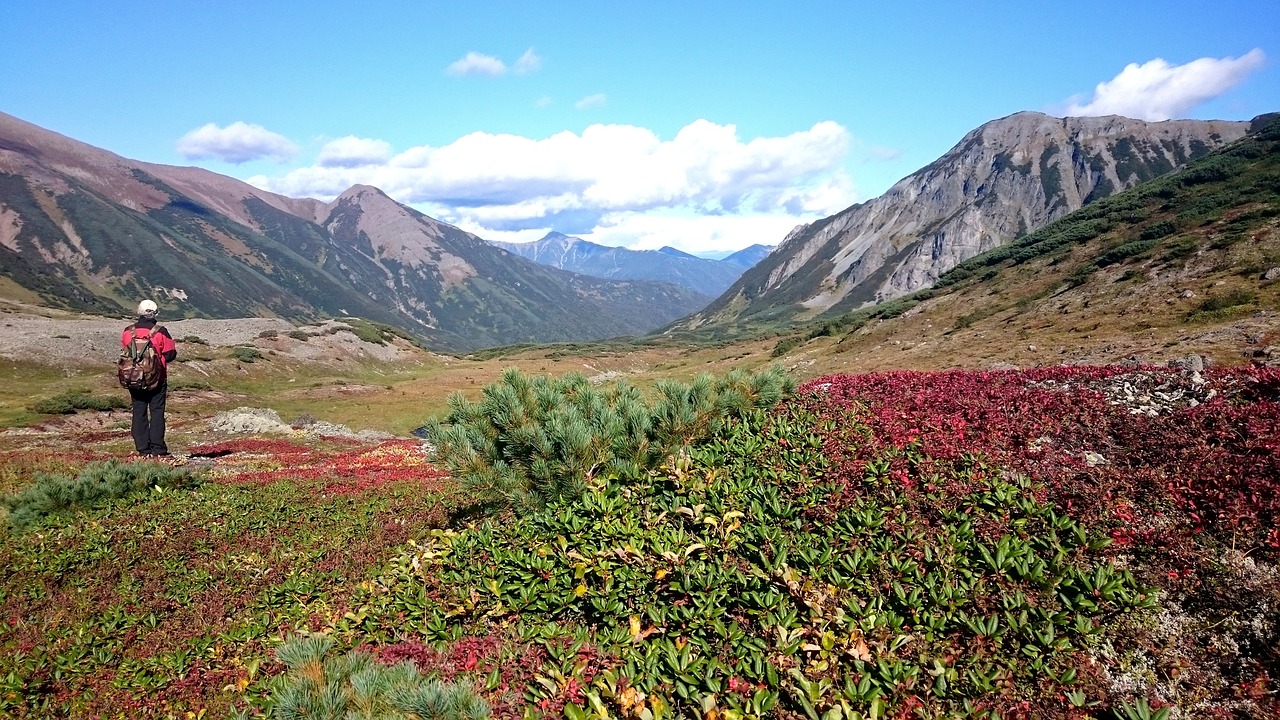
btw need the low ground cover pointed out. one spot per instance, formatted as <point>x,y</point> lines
<point>1066,542</point>
<point>171,602</point>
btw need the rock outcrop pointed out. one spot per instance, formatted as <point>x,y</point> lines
<point>1009,177</point>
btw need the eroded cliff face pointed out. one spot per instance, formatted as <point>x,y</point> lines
<point>1006,178</point>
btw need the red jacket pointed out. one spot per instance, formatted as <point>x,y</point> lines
<point>161,340</point>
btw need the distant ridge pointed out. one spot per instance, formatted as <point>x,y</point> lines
<point>700,275</point>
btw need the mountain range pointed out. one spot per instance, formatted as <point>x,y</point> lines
<point>701,275</point>
<point>85,229</point>
<point>1007,178</point>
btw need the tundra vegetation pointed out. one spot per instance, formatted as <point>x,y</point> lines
<point>1024,543</point>
<point>1055,542</point>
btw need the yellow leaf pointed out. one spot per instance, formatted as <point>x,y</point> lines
<point>659,573</point>
<point>580,591</point>
<point>635,626</point>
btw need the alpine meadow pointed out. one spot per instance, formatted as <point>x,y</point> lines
<point>1002,442</point>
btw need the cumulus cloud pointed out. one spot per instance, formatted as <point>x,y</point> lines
<point>611,176</point>
<point>351,151</point>
<point>236,143</point>
<point>592,101</point>
<point>1157,90</point>
<point>474,63</point>
<point>528,62</point>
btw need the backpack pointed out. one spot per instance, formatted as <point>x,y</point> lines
<point>139,366</point>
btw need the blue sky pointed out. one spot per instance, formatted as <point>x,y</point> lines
<point>706,126</point>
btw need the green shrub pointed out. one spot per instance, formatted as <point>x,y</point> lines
<point>80,399</point>
<point>356,685</point>
<point>786,345</point>
<point>97,483</point>
<point>1135,249</point>
<point>1180,248</point>
<point>1157,230</point>
<point>269,333</point>
<point>300,335</point>
<point>363,329</point>
<point>246,354</point>
<point>533,439</point>
<point>1226,300</point>
<point>1225,306</point>
<point>195,340</point>
<point>1081,275</point>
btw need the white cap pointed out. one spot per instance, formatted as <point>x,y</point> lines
<point>147,308</point>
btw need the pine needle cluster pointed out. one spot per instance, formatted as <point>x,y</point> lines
<point>355,686</point>
<point>530,440</point>
<point>97,483</point>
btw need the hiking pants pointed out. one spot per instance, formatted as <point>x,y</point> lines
<point>148,432</point>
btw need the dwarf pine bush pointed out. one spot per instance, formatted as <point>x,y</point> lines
<point>97,482</point>
<point>355,686</point>
<point>79,399</point>
<point>533,439</point>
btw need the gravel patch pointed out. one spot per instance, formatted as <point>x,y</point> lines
<point>262,421</point>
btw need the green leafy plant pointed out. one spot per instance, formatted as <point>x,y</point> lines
<point>302,335</point>
<point>532,439</point>
<point>97,483</point>
<point>355,686</point>
<point>246,354</point>
<point>1141,710</point>
<point>754,574</point>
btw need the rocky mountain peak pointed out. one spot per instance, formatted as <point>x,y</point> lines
<point>1003,179</point>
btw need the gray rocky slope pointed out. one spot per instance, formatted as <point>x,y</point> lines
<point>1006,178</point>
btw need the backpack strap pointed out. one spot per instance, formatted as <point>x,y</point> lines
<point>138,355</point>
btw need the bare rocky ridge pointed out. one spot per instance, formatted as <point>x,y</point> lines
<point>72,341</point>
<point>1006,178</point>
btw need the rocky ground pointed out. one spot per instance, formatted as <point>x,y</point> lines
<point>69,340</point>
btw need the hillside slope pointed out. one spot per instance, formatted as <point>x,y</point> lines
<point>1009,177</point>
<point>1188,263</point>
<point>84,229</point>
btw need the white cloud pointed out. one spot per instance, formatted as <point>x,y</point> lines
<point>725,192</point>
<point>351,151</point>
<point>592,101</point>
<point>474,63</point>
<point>236,143</point>
<point>1156,90</point>
<point>543,102</point>
<point>529,62</point>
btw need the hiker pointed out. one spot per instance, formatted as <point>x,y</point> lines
<point>148,402</point>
